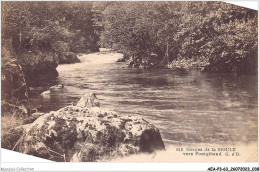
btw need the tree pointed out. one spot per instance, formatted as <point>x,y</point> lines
<point>42,33</point>
<point>218,33</point>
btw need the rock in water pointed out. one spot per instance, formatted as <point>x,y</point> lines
<point>88,100</point>
<point>56,87</point>
<point>68,58</point>
<point>121,60</point>
<point>86,133</point>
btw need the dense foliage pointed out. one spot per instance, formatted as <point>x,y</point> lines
<point>44,34</point>
<point>36,37</point>
<point>218,35</point>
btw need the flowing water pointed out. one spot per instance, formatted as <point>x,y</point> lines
<point>187,107</point>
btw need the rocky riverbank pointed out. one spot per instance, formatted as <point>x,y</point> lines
<point>68,58</point>
<point>84,133</point>
<point>153,62</point>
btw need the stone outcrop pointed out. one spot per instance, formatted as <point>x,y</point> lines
<point>121,60</point>
<point>14,98</point>
<point>85,132</point>
<point>88,100</point>
<point>68,58</point>
<point>12,79</point>
<point>39,64</point>
<point>15,108</point>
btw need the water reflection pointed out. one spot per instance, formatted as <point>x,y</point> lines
<point>191,107</point>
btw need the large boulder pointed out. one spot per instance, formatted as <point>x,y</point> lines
<point>39,65</point>
<point>121,60</point>
<point>68,57</point>
<point>86,133</point>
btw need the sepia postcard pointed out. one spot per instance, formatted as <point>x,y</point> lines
<point>129,81</point>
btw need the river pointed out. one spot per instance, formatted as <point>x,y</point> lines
<point>187,107</point>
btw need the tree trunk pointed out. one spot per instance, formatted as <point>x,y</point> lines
<point>166,56</point>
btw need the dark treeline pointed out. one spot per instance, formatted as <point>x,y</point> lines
<point>218,35</point>
<point>37,36</point>
<point>44,34</point>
